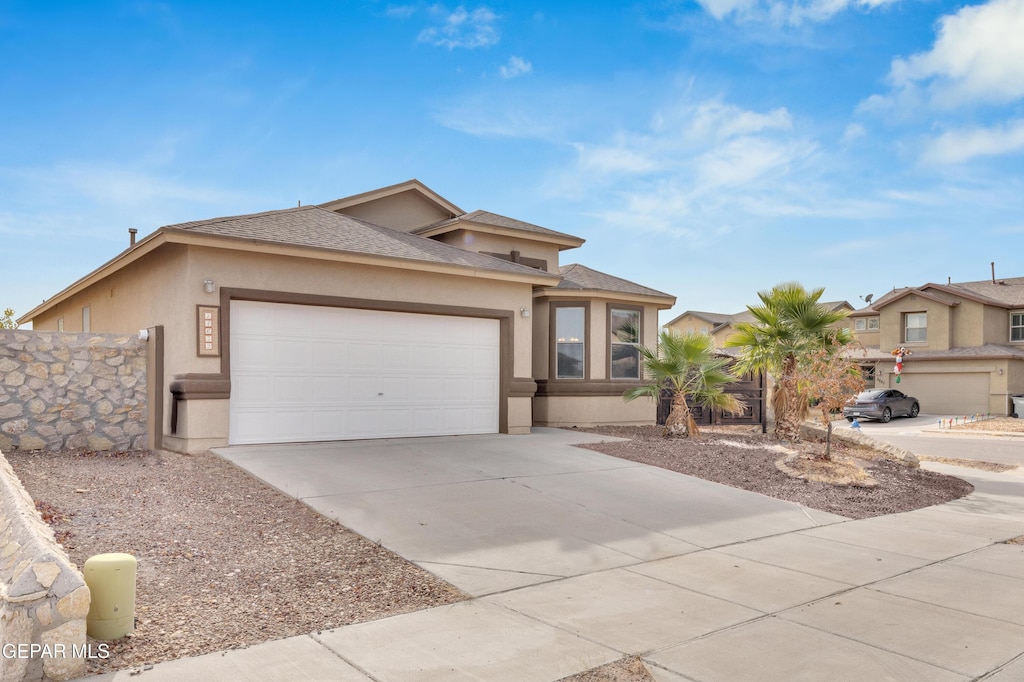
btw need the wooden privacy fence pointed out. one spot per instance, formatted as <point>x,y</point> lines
<point>750,389</point>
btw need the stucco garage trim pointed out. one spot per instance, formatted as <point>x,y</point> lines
<point>505,320</point>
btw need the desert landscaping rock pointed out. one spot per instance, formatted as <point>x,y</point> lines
<point>225,561</point>
<point>747,461</point>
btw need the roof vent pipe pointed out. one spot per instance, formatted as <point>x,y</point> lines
<point>131,236</point>
<point>993,272</point>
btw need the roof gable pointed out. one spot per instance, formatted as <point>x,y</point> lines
<point>406,206</point>
<point>581,278</point>
<point>492,222</point>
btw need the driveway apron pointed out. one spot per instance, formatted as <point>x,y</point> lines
<point>489,513</point>
<point>576,559</point>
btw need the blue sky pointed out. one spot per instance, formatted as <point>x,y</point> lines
<point>708,149</point>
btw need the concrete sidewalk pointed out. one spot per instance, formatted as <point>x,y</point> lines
<point>580,558</point>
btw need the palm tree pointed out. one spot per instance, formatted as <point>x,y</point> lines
<point>789,324</point>
<point>688,365</point>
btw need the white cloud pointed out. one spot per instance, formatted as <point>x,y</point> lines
<point>400,11</point>
<point>850,248</point>
<point>461,28</point>
<point>854,131</point>
<point>955,146</point>
<point>516,66</point>
<point>978,57</point>
<point>778,12</point>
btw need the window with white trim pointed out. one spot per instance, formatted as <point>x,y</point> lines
<point>915,327</point>
<point>86,321</point>
<point>624,342</point>
<point>570,327</point>
<point>1017,326</point>
<point>872,324</point>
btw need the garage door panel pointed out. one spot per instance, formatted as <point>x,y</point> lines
<point>250,389</point>
<point>948,392</point>
<point>329,355</point>
<point>330,389</point>
<point>291,424</point>
<point>315,373</point>
<point>250,352</point>
<point>290,390</point>
<point>398,357</point>
<point>428,389</point>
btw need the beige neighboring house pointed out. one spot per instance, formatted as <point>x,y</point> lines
<point>966,341</point>
<point>721,325</point>
<point>386,314</point>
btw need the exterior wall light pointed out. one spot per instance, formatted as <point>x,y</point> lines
<point>209,285</point>
<point>525,312</point>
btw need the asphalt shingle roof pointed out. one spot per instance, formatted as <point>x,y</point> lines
<point>1010,292</point>
<point>577,276</point>
<point>488,218</point>
<point>314,227</point>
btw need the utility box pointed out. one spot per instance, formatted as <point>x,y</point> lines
<point>1018,405</point>
<point>111,580</point>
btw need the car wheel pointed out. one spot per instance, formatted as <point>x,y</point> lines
<point>850,419</point>
<point>915,410</point>
<point>886,415</point>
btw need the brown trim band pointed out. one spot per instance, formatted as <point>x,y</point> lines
<point>201,386</point>
<point>522,388</point>
<point>584,388</point>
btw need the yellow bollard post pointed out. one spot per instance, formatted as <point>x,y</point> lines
<point>111,580</point>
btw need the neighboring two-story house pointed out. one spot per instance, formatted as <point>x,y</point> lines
<point>385,314</point>
<point>966,341</point>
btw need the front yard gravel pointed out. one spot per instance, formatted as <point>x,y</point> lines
<point>225,561</point>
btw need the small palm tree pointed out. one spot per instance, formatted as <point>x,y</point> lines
<point>788,326</point>
<point>687,364</point>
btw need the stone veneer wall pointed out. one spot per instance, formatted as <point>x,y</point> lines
<point>44,600</point>
<point>72,391</point>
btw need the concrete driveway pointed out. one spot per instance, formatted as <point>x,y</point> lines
<point>490,513</point>
<point>582,558</point>
<point>922,436</point>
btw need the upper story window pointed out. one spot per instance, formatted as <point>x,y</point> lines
<point>1016,326</point>
<point>570,346</point>
<point>915,327</point>
<point>624,338</point>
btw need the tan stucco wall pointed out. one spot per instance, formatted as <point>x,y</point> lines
<point>541,338</point>
<point>996,322</point>
<point>967,324</point>
<point>484,242</point>
<point>592,411</point>
<point>939,323</point>
<point>520,414</point>
<point>405,211</point>
<point>165,286</point>
<point>690,323</point>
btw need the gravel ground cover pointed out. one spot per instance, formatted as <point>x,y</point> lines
<point>996,424</point>
<point>747,461</point>
<point>225,561</point>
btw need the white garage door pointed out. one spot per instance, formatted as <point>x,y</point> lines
<point>953,393</point>
<point>308,373</point>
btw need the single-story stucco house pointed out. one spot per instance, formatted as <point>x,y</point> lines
<point>385,314</point>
